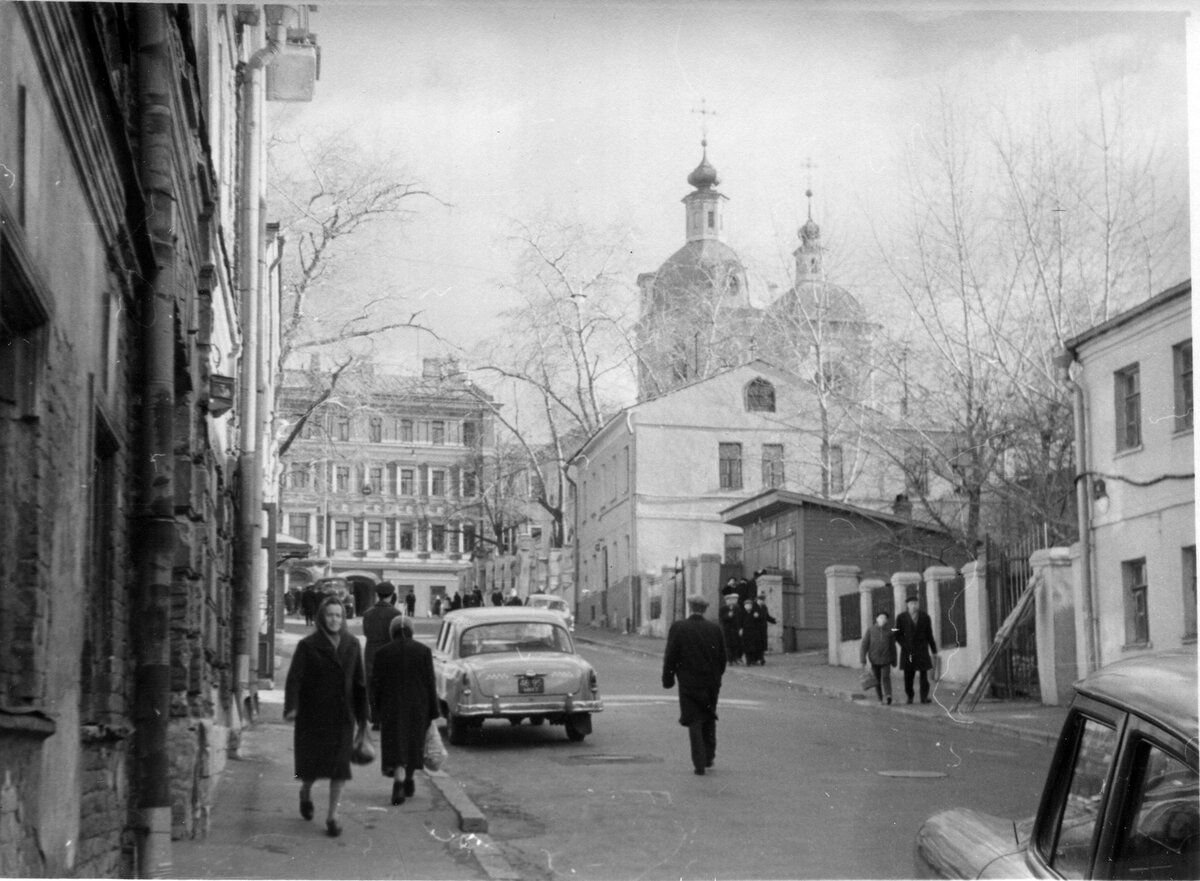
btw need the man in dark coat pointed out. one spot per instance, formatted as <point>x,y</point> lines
<point>410,603</point>
<point>695,656</point>
<point>914,637</point>
<point>326,696</point>
<point>730,616</point>
<point>406,700</point>
<point>375,625</point>
<point>309,600</point>
<point>762,635</point>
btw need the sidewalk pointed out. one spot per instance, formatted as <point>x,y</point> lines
<point>256,831</point>
<point>808,672</point>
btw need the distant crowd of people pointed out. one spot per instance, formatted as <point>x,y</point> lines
<point>744,618</point>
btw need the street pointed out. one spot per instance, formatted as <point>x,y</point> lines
<point>803,786</point>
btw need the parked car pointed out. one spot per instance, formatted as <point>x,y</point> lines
<point>514,663</point>
<point>554,604</point>
<point>340,588</point>
<point>1120,800</point>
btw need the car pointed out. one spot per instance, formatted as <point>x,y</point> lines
<point>340,588</point>
<point>1120,799</point>
<point>513,663</point>
<point>554,604</point>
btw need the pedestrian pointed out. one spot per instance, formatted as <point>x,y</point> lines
<point>914,636</point>
<point>695,656</point>
<point>754,633</point>
<point>476,598</point>
<point>326,696</point>
<point>406,698</point>
<point>309,600</point>
<point>763,631</point>
<point>497,597</point>
<point>729,588</point>
<point>456,601</point>
<point>879,649</point>
<point>730,616</point>
<point>513,599</point>
<point>375,625</point>
<point>410,603</point>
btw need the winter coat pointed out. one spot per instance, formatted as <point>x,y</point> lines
<point>376,625</point>
<point>915,639</point>
<point>405,700</point>
<point>695,656</point>
<point>878,646</point>
<point>326,687</point>
<point>754,631</point>
<point>731,626</point>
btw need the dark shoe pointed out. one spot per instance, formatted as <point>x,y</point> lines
<point>926,700</point>
<point>306,808</point>
<point>397,793</point>
<point>333,828</point>
<point>699,772</point>
<point>909,701</point>
<point>710,763</point>
<point>410,787</point>
<point>889,700</point>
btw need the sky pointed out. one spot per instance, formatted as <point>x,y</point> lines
<point>508,111</point>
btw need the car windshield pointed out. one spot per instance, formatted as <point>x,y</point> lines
<point>513,636</point>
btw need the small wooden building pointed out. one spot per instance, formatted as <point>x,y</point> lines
<point>798,536</point>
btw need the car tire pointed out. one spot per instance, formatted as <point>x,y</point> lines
<point>575,734</point>
<point>457,729</point>
<point>536,720</point>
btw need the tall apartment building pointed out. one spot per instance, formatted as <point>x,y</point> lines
<point>385,480</point>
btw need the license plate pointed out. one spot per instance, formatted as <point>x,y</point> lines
<point>531,685</point>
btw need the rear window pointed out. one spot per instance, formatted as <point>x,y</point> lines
<point>513,636</point>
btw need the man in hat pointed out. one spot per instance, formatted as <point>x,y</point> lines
<point>376,624</point>
<point>914,637</point>
<point>695,656</point>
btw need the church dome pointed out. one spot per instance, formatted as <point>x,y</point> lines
<point>821,299</point>
<point>702,264</point>
<point>703,176</point>
<point>810,232</point>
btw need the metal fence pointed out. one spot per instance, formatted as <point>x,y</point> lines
<point>1008,573</point>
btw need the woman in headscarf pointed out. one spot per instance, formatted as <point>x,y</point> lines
<point>405,699</point>
<point>326,695</point>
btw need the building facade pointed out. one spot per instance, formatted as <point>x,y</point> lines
<point>127,319</point>
<point>386,479</point>
<point>1136,465</point>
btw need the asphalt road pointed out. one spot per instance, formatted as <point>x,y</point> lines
<point>803,787</point>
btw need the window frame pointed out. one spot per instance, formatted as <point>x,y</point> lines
<point>729,467</point>
<point>1135,587</point>
<point>759,396</point>
<point>1181,373</point>
<point>773,468</point>
<point>1187,556</point>
<point>375,430</point>
<point>1127,407</point>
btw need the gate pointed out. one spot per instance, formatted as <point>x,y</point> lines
<point>1008,572</point>
<point>792,614</point>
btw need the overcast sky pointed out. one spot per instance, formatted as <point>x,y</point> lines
<point>510,110</point>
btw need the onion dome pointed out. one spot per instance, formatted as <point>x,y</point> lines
<point>809,232</point>
<point>704,176</point>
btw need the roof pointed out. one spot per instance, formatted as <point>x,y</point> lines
<point>1184,288</point>
<point>776,501</point>
<point>1160,687</point>
<point>302,382</point>
<point>492,614</point>
<point>831,304</point>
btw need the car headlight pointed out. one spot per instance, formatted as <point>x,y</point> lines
<point>593,683</point>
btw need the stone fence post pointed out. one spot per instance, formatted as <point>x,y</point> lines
<point>903,584</point>
<point>1054,614</point>
<point>934,576</point>
<point>979,628</point>
<point>838,580</point>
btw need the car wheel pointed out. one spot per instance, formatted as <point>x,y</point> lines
<point>536,720</point>
<point>457,729</point>
<point>575,733</point>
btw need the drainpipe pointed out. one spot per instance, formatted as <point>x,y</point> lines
<point>1083,505</point>
<point>154,520</point>
<point>249,571</point>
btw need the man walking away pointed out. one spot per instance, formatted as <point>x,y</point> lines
<point>695,656</point>
<point>914,635</point>
<point>376,623</point>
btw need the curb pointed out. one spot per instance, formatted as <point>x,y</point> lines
<point>473,823</point>
<point>1030,736</point>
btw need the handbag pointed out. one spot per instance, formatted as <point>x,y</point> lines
<point>364,751</point>
<point>435,750</point>
<point>867,679</point>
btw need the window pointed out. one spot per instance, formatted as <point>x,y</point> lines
<point>375,535</point>
<point>837,476</point>
<point>406,430</point>
<point>468,484</point>
<point>422,537</point>
<point>341,428</point>
<point>298,477</point>
<point>341,478</point>
<point>438,432</point>
<point>1161,835</point>
<point>916,473</point>
<point>298,526</point>
<point>375,478</point>
<point>733,549</point>
<point>1128,393</point>
<point>1182,357</point>
<point>406,536</point>
<point>772,465</point>
<point>468,537</point>
<point>438,537</point>
<point>391,535</point>
<point>358,535</point>
<point>375,430</point>
<point>712,219</point>
<point>437,482</point>
<point>760,396</point>
<point>406,481</point>
<point>1137,614</point>
<point>341,535</point>
<point>730,458</point>
<point>470,434</point>
<point>1066,841</point>
<point>1189,591</point>
<point>393,474</point>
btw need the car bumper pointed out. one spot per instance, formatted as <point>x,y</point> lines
<point>541,705</point>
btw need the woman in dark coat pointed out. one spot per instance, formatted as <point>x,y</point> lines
<point>405,700</point>
<point>754,633</point>
<point>326,695</point>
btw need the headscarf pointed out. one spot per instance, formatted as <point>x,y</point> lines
<point>330,601</point>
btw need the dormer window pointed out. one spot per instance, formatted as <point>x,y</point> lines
<point>760,396</point>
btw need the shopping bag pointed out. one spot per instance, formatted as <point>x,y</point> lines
<point>867,680</point>
<point>435,751</point>
<point>364,751</point>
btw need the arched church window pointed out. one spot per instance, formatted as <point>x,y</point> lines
<point>760,396</point>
